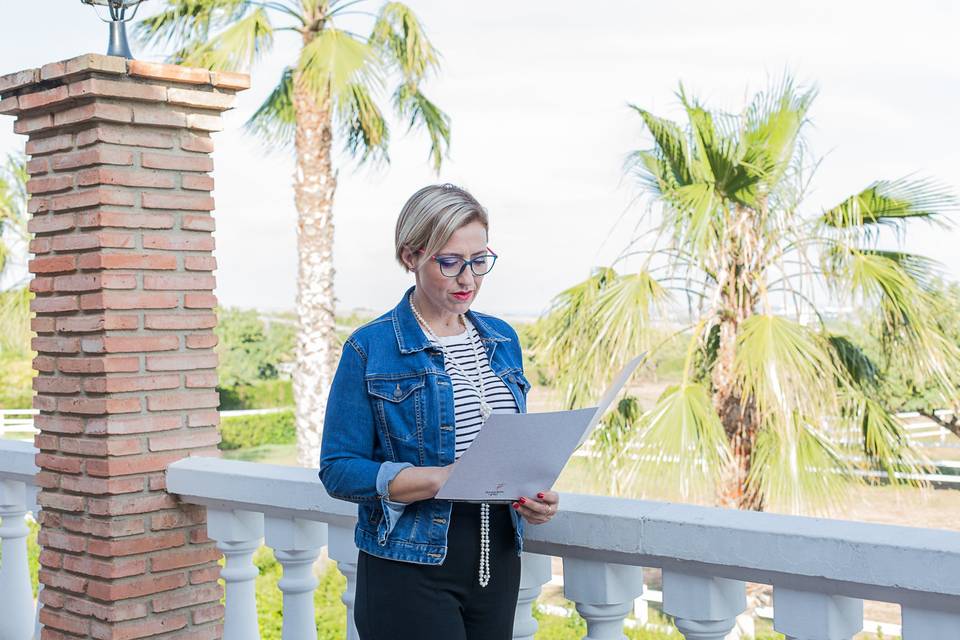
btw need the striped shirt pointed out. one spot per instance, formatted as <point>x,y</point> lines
<point>466,399</point>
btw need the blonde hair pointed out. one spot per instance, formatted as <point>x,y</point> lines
<point>431,216</point>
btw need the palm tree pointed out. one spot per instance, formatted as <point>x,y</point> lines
<point>335,82</point>
<point>772,392</point>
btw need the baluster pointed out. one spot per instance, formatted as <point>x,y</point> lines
<point>296,544</point>
<point>344,551</point>
<point>703,607</point>
<point>929,624</point>
<point>16,605</point>
<point>534,573</point>
<point>238,534</point>
<point>807,615</point>
<point>604,594</point>
<point>32,492</point>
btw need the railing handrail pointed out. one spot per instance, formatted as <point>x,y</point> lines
<point>17,461</point>
<point>856,559</point>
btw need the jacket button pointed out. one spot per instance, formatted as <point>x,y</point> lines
<point>397,393</point>
<point>511,378</point>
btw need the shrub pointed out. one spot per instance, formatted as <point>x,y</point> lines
<point>264,394</point>
<point>253,431</point>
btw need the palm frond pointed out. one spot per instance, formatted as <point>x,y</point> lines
<point>671,145</point>
<point>188,21</point>
<point>886,444</point>
<point>235,48</point>
<point>334,61</point>
<point>364,128</point>
<point>410,103</point>
<point>275,120</point>
<point>892,203</point>
<point>400,38</point>
<point>858,366</point>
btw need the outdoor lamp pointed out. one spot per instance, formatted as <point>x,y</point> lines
<point>118,18</point>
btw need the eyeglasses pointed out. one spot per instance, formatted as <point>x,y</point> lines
<point>453,266</point>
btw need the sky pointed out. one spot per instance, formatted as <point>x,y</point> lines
<point>538,93</point>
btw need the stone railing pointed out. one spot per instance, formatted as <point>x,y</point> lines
<point>821,570</point>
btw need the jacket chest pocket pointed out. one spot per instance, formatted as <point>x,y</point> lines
<point>398,405</point>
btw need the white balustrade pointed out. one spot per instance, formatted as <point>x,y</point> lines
<point>238,534</point>
<point>603,593</point>
<point>930,624</point>
<point>703,607</point>
<point>534,573</point>
<point>805,615</point>
<point>18,619</point>
<point>296,544</point>
<point>343,550</point>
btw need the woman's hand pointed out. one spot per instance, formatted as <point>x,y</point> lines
<point>418,483</point>
<point>540,509</point>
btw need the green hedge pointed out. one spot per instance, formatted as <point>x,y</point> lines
<point>265,394</point>
<point>253,431</point>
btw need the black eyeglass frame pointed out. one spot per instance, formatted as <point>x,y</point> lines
<point>464,262</point>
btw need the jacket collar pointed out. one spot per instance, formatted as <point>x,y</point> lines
<point>411,338</point>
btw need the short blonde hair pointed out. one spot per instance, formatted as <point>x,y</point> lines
<point>431,216</point>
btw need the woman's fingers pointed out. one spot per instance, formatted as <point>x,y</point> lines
<point>538,510</point>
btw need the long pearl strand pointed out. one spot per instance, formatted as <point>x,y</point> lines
<point>485,411</point>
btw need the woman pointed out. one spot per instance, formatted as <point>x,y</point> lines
<point>412,391</point>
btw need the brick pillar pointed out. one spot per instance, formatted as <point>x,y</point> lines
<point>121,213</point>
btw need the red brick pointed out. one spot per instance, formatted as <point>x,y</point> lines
<point>196,142</point>
<point>135,220</point>
<point>88,157</point>
<point>37,166</point>
<point>134,587</point>
<point>87,324</point>
<point>125,505</point>
<point>177,162</point>
<point>64,464</point>
<point>199,300</point>
<point>44,403</point>
<point>198,223</point>
<point>202,379</point>
<point>125,177</point>
<point>99,110</point>
<point>203,419</point>
<point>98,406</point>
<point>112,528</point>
<point>157,483</point>
<point>55,345</point>
<point>96,240</point>
<point>129,300</point>
<point>58,424</point>
<point>82,282</point>
<point>39,245</point>
<point>100,486</point>
<point>101,446</point>
<point>60,540</point>
<point>43,324</point>
<point>179,282</point>
<point>171,72</point>
<point>195,182</point>
<point>204,122</point>
<point>200,99</point>
<point>49,144</point>
<point>57,304</point>
<point>183,400</point>
<point>181,362</point>
<point>135,546</point>
<point>86,62</point>
<point>49,184</point>
<point>56,384</point>
<point>201,576</point>
<point>51,224</point>
<point>130,465</point>
<point>111,569</point>
<point>48,479</point>
<point>115,612</point>
<point>122,135</point>
<point>53,264</point>
<point>51,559</point>
<point>201,341</point>
<point>36,123</point>
<point>130,344</point>
<point>109,364</point>
<point>127,261</point>
<point>138,628</point>
<point>46,442</point>
<point>187,597</point>
<point>180,558</point>
<point>38,205</point>
<point>183,242</point>
<point>117,89</point>
<point>158,116</point>
<point>205,438</point>
<point>173,201</point>
<point>122,425</point>
<point>18,79</point>
<point>208,614</point>
<point>179,321</point>
<point>93,198</point>
<point>230,80</point>
<point>40,284</point>
<point>9,105</point>
<point>45,364</point>
<point>122,384</point>
<point>39,99</point>
<point>184,517</point>
<point>64,621</point>
<point>51,519</point>
<point>64,581</point>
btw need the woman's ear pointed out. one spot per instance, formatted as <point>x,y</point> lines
<point>408,258</point>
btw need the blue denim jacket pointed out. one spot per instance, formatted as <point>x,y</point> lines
<point>391,407</point>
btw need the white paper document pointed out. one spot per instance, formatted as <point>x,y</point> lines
<point>521,454</point>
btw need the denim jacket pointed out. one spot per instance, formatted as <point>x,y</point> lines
<point>391,407</point>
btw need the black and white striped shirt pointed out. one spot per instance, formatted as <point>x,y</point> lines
<point>466,399</point>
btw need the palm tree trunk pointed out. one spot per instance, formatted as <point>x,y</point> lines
<point>314,185</point>
<point>739,274</point>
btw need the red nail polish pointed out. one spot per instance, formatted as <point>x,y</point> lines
<point>540,495</point>
<point>523,501</point>
<point>516,506</point>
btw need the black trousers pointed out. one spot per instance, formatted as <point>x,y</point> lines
<point>407,601</point>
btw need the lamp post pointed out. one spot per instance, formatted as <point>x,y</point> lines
<point>118,19</point>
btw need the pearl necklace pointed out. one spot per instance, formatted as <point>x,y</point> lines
<point>485,412</point>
